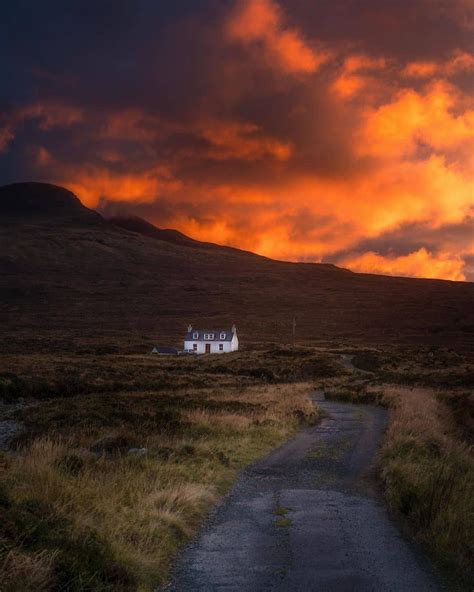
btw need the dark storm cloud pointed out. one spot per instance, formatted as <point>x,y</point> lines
<point>412,237</point>
<point>406,29</point>
<point>181,113</point>
<point>169,60</point>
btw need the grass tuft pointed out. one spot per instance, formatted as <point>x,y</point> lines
<point>283,522</point>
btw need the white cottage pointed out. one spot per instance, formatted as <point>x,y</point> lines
<point>211,341</point>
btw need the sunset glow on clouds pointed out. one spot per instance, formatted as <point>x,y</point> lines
<point>419,262</point>
<point>300,130</point>
<point>261,23</point>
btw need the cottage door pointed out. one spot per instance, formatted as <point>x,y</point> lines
<point>208,348</point>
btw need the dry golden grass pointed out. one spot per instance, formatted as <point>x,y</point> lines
<point>418,414</point>
<point>233,421</point>
<point>21,572</point>
<point>102,519</point>
<point>140,508</point>
<point>429,476</point>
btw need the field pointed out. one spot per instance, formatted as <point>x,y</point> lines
<point>121,456</point>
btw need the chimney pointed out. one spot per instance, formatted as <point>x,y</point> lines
<point>234,328</point>
<point>190,328</point>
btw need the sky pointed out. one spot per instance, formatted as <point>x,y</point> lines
<point>336,131</point>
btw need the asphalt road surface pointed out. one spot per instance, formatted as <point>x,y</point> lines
<point>308,518</point>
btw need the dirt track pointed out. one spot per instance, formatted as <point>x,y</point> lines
<point>307,518</point>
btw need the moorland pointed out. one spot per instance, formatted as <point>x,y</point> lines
<point>118,455</point>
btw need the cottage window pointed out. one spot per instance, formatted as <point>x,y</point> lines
<point>221,347</point>
<point>209,336</point>
<point>195,335</point>
<point>222,335</point>
<point>195,346</point>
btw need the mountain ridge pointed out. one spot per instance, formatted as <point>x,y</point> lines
<point>142,226</point>
<point>33,201</point>
<point>79,279</point>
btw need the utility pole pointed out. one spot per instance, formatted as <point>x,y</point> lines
<point>294,331</point>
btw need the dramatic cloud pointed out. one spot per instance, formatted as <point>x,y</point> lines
<point>325,131</point>
<point>357,75</point>
<point>460,62</point>
<point>419,262</point>
<point>260,24</point>
<point>436,118</point>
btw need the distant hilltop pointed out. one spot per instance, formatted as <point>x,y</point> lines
<point>42,202</point>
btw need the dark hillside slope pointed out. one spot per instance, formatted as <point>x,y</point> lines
<point>75,286</point>
<point>168,235</point>
<point>40,202</point>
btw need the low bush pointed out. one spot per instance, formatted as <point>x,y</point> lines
<point>367,361</point>
<point>429,477</point>
<point>461,404</point>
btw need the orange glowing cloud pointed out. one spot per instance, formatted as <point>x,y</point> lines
<point>91,186</point>
<point>132,124</point>
<point>310,218</point>
<point>261,22</point>
<point>420,69</point>
<point>413,118</point>
<point>356,76</point>
<point>226,138</point>
<point>420,263</point>
<point>232,139</point>
<point>459,62</point>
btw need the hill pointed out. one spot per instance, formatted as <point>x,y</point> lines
<point>41,202</point>
<point>168,235</point>
<point>72,280</point>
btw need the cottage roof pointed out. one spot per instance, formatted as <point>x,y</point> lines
<point>164,350</point>
<point>228,334</point>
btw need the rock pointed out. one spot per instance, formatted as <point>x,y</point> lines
<point>138,452</point>
<point>8,429</point>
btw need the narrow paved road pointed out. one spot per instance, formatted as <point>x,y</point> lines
<point>307,519</point>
